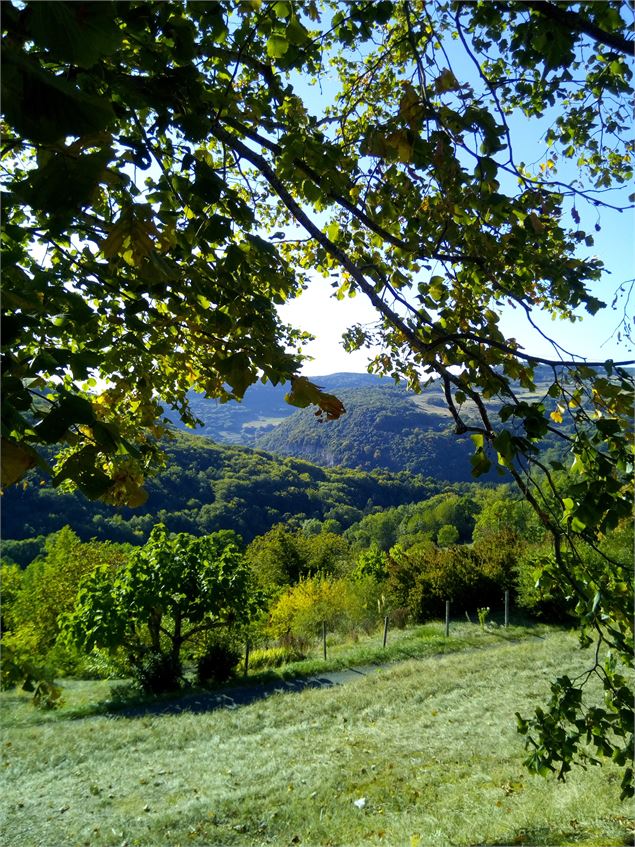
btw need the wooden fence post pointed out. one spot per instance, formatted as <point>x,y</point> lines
<point>447,618</point>
<point>246,656</point>
<point>324,638</point>
<point>506,608</point>
<point>385,630</point>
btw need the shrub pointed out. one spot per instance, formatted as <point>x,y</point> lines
<point>157,673</point>
<point>423,579</point>
<point>545,603</point>
<point>217,664</point>
<point>343,604</point>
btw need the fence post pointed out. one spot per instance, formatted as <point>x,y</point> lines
<point>385,630</point>
<point>246,656</point>
<point>447,618</point>
<point>506,608</point>
<point>324,637</point>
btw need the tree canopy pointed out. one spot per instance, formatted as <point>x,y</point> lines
<point>172,589</point>
<point>171,178</point>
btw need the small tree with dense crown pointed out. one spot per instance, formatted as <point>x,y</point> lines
<point>173,589</point>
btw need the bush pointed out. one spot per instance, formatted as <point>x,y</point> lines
<point>548,604</point>
<point>217,664</point>
<point>422,579</point>
<point>157,673</point>
<point>343,604</point>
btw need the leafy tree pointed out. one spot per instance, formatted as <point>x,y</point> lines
<point>47,590</point>
<point>503,513</point>
<point>283,557</point>
<point>447,535</point>
<point>429,516</point>
<point>11,581</point>
<point>371,562</point>
<point>173,589</point>
<point>406,187</point>
<point>275,558</point>
<point>423,577</point>
<point>190,496</point>
<point>344,605</point>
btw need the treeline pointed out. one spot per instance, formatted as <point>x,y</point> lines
<point>95,608</point>
<point>207,487</point>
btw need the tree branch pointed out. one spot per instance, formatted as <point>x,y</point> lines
<point>563,16</point>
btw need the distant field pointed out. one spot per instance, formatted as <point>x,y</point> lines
<point>421,754</point>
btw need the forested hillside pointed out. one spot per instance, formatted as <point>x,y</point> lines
<point>206,487</point>
<point>385,426</point>
<point>263,407</point>
<point>382,428</point>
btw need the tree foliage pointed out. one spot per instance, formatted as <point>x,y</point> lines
<point>207,487</point>
<point>47,590</point>
<point>172,589</point>
<point>156,151</point>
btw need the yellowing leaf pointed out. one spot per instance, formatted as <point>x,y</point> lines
<point>16,461</point>
<point>402,144</point>
<point>304,393</point>
<point>556,415</point>
<point>446,82</point>
<point>536,224</point>
<point>410,108</point>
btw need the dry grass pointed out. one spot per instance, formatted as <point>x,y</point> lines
<point>429,745</point>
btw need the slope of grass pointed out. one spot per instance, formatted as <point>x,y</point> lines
<point>421,754</point>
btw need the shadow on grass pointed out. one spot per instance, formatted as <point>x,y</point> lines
<point>128,702</point>
<point>235,697</point>
<point>285,681</point>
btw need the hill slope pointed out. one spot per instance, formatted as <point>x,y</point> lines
<point>207,487</point>
<point>262,408</point>
<point>384,427</point>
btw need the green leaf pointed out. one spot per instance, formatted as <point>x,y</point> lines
<point>480,463</point>
<point>45,107</point>
<point>81,469</point>
<point>72,409</point>
<point>296,33</point>
<point>436,288</point>
<point>277,46</point>
<point>282,9</point>
<point>332,231</point>
<point>17,459</point>
<point>78,33</point>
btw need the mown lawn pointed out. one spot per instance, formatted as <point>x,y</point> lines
<point>421,754</point>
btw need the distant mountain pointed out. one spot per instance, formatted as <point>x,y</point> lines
<point>385,426</point>
<point>261,410</point>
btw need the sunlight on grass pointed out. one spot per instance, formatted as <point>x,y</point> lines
<point>428,745</point>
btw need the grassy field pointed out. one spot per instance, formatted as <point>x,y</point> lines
<point>420,754</point>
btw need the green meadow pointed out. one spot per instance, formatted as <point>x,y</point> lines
<point>421,753</point>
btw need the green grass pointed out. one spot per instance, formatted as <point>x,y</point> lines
<point>410,643</point>
<point>430,744</point>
